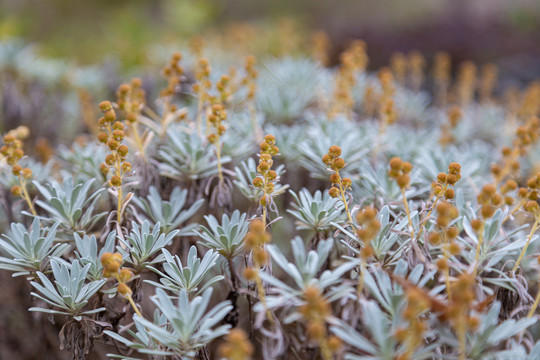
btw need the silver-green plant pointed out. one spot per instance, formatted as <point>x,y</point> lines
<point>143,243</point>
<point>170,214</point>
<point>189,326</point>
<point>70,292</point>
<point>72,206</point>
<point>177,277</point>
<point>227,238</point>
<point>29,250</point>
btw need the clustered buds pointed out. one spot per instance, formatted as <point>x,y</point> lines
<point>369,228</point>
<point>315,310</point>
<point>526,136</point>
<point>215,118</point>
<point>266,178</point>
<point>256,240</point>
<point>335,163</point>
<point>531,194</point>
<point>251,76</point>
<point>454,116</point>
<point>202,75</point>
<point>236,346</point>
<point>446,234</point>
<point>112,134</point>
<point>489,200</point>
<point>12,151</point>
<point>174,73</point>
<point>112,268</point>
<point>466,83</point>
<point>353,61</point>
<point>131,99</point>
<point>321,46</point>
<point>444,180</point>
<point>417,63</point>
<point>399,171</point>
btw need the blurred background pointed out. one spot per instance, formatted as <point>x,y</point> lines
<point>59,58</point>
<point>91,31</point>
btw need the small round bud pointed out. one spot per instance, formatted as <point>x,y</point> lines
<point>441,178</point>
<point>451,179</point>
<point>449,193</point>
<point>112,144</point>
<point>124,89</point>
<point>346,182</point>
<point>123,289</point>
<point>403,180</point>
<point>487,211</point>
<point>477,225</point>
<point>258,182</point>
<point>126,167</point>
<point>103,169</point>
<point>334,192</point>
<point>118,135</point>
<point>122,150</point>
<point>334,343</point>
<point>260,256</point>
<point>105,106</point>
<point>250,274</point>
<point>327,159</point>
<point>442,264</point>
<point>270,139</point>
<point>110,116</point>
<point>110,159</point>
<point>116,181</point>
<point>124,275</point>
<point>16,169</point>
<point>26,173</point>
<point>454,248</point>
<point>272,175</point>
<point>452,232</point>
<point>454,168</point>
<point>339,163</point>
<point>118,126</point>
<point>395,163</point>
<point>16,190</point>
<point>531,206</point>
<point>334,151</point>
<point>103,137</point>
<point>406,167</point>
<point>263,166</point>
<point>489,189</point>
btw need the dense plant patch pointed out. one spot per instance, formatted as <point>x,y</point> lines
<point>275,207</point>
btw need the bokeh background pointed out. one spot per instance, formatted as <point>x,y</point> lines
<point>58,58</point>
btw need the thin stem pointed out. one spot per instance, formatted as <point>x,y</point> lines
<point>133,305</point>
<point>138,140</point>
<point>514,210</point>
<point>533,230</point>
<point>325,349</point>
<point>200,108</point>
<point>27,197</point>
<point>478,248</point>
<point>406,204</point>
<point>535,305</point>
<point>262,297</point>
<point>361,277</point>
<point>344,199</point>
<point>447,268</point>
<point>218,156</point>
<point>119,206</point>
<point>462,336</point>
<point>426,217</point>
